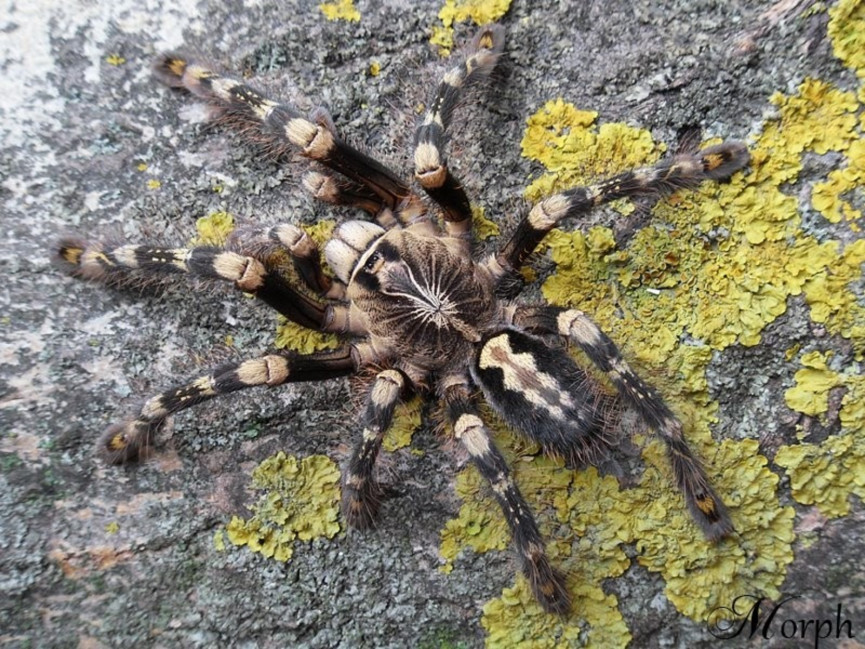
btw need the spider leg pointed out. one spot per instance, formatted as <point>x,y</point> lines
<point>705,505</point>
<point>682,170</point>
<point>360,493</point>
<point>264,243</point>
<point>94,260</point>
<point>430,161</point>
<point>281,127</point>
<point>129,439</point>
<point>547,583</point>
<point>336,190</point>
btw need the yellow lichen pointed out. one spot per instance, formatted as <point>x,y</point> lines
<point>830,197</point>
<point>213,229</point>
<point>340,10</point>
<point>483,227</point>
<point>810,395</point>
<point>290,335</point>
<point>830,293</point>
<point>406,420</point>
<point>574,151</point>
<point>701,577</point>
<point>321,231</point>
<point>154,183</point>
<point>847,31</point>
<point>374,69</point>
<point>724,293</point>
<point>714,267</point>
<point>826,474</point>
<point>481,12</point>
<point>590,551</point>
<point>115,59</point>
<point>300,502</point>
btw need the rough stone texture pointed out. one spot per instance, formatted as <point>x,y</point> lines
<point>73,356</point>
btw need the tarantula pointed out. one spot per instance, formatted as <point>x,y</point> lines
<point>415,308</point>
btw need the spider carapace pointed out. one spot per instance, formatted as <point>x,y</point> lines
<point>413,306</point>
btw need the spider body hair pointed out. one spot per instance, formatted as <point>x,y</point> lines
<point>415,310</point>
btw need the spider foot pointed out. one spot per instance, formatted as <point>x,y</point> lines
<point>548,586</point>
<point>126,441</point>
<point>361,499</point>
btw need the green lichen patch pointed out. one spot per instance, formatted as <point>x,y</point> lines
<point>480,12</point>
<point>300,501</point>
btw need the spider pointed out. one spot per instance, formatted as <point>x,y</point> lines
<point>416,311</point>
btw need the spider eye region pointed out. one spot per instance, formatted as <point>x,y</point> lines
<point>372,261</point>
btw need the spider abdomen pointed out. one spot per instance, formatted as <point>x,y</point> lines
<point>540,391</point>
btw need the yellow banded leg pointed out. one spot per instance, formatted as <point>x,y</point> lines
<point>706,507</point>
<point>130,263</point>
<point>131,438</point>
<point>281,128</point>
<point>430,160</point>
<point>547,583</point>
<point>361,496</point>
<point>682,170</point>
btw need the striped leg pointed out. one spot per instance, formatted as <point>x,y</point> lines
<point>682,170</point>
<point>131,438</point>
<point>334,190</point>
<point>280,127</point>
<point>705,505</point>
<point>547,583</point>
<point>267,244</point>
<point>94,260</point>
<point>360,493</point>
<point>430,162</point>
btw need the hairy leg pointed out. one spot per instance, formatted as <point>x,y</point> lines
<point>706,507</point>
<point>360,493</point>
<point>430,160</point>
<point>130,262</point>
<point>280,127</point>
<point>127,440</point>
<point>547,584</point>
<point>682,170</point>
